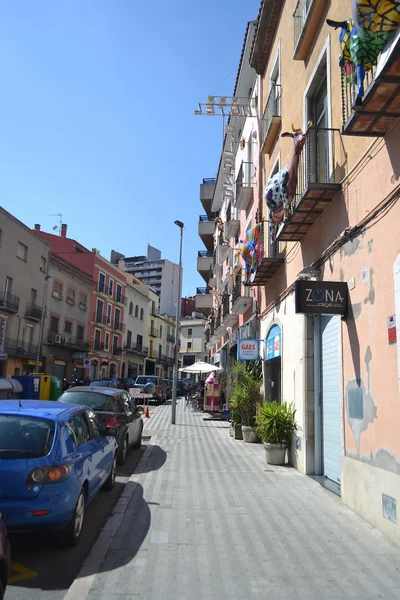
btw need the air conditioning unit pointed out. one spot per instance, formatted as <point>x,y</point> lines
<point>64,340</point>
<point>56,294</point>
<point>57,339</point>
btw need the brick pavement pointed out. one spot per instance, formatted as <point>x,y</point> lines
<point>204,517</point>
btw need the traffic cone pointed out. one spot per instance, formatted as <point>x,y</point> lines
<point>146,413</point>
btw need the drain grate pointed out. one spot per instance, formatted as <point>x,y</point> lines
<point>146,438</point>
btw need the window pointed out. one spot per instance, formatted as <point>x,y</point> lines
<point>131,308</point>
<point>136,311</point>
<point>141,314</point>
<point>106,341</point>
<point>9,284</point>
<point>139,341</point>
<point>160,331</point>
<point>111,287</point>
<point>99,311</point>
<point>57,290</point>
<point>83,301</point>
<point>190,333</point>
<point>67,327</point>
<point>78,429</point>
<point>80,332</point>
<point>109,310</point>
<point>118,295</point>
<point>102,282</point>
<point>54,324</point>
<point>22,251</point>
<point>43,264</point>
<point>189,346</point>
<point>33,296</point>
<point>115,342</point>
<point>71,296</point>
<point>97,335</point>
<point>129,340</point>
<point>318,138</point>
<point>96,428</point>
<point>117,317</point>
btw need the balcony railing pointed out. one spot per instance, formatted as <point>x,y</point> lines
<point>20,348</point>
<point>205,254</point>
<point>320,170</point>
<point>202,290</point>
<point>225,305</point>
<point>270,264</point>
<point>67,341</point>
<point>135,348</point>
<point>241,297</point>
<point>153,332</point>
<point>152,354</point>
<point>162,358</point>
<point>102,288</point>
<point>171,338</point>
<point>271,120</point>
<point>119,297</point>
<point>206,219</point>
<point>209,180</point>
<point>307,16</point>
<point>101,318</point>
<point>33,311</point>
<point>9,302</point>
<point>244,185</point>
<point>117,350</point>
<point>98,346</point>
<point>118,325</point>
<point>154,311</point>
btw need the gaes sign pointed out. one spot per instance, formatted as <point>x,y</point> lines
<point>321,297</point>
<point>248,350</point>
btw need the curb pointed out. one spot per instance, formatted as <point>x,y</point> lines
<point>90,568</point>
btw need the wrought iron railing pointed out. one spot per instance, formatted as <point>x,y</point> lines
<point>202,290</point>
<point>162,358</point>
<point>245,176</point>
<point>350,87</point>
<point>33,311</point>
<point>170,338</point>
<point>9,301</point>
<point>272,109</point>
<point>117,350</point>
<point>300,16</point>
<point>101,318</point>
<point>209,180</point>
<point>119,297</point>
<point>98,346</point>
<point>153,332</point>
<point>67,341</point>
<point>20,348</point>
<point>205,254</point>
<point>225,305</point>
<point>118,325</point>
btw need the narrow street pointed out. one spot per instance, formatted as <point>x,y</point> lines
<point>204,516</point>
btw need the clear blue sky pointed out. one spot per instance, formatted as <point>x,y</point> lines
<point>96,104</point>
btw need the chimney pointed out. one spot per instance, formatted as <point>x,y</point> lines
<point>64,230</point>
<point>37,227</point>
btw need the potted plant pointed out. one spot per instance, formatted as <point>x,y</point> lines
<point>276,426</point>
<point>245,400</point>
<point>236,425</point>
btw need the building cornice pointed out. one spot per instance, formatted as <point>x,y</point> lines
<point>267,22</point>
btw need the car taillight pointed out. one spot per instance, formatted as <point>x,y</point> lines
<point>159,389</point>
<point>54,474</point>
<point>113,423</point>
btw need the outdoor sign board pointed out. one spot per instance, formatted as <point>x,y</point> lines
<point>3,329</point>
<point>321,297</point>
<point>273,347</point>
<point>248,350</point>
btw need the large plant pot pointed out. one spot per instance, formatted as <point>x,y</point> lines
<point>237,432</point>
<point>275,453</point>
<point>249,434</point>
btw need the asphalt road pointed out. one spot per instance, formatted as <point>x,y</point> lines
<point>41,570</point>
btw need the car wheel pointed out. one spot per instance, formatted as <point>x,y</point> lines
<point>123,451</point>
<point>71,534</point>
<point>110,481</point>
<point>138,444</point>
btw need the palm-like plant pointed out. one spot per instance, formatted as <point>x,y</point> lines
<point>276,423</point>
<point>245,396</point>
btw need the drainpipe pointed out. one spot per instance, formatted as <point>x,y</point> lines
<point>46,280</point>
<point>317,396</point>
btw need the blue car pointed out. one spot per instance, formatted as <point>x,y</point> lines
<point>54,458</point>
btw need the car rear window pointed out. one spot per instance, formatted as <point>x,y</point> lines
<point>145,380</point>
<point>25,437</point>
<point>93,400</point>
<point>101,383</point>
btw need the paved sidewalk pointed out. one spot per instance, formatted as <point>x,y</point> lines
<point>205,517</point>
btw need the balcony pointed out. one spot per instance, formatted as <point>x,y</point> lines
<point>162,358</point>
<point>153,332</point>
<point>67,341</point>
<point>245,181</point>
<point>170,361</point>
<point>33,312</point>
<point>171,338</point>
<point>307,16</point>
<point>117,350</point>
<point>152,354</point>
<point>319,174</point>
<point>20,348</point>
<point>120,298</point>
<point>271,121</point>
<point>98,346</point>
<point>118,325</point>
<point>221,249</point>
<point>9,302</point>
<point>204,262</point>
<point>206,230</point>
<point>229,319</point>
<point>241,297</point>
<point>380,108</point>
<point>134,348</point>
<point>102,288</point>
<point>204,300</point>
<point>232,223</point>
<point>101,319</point>
<point>270,263</point>
<point>207,188</point>
<point>154,311</point>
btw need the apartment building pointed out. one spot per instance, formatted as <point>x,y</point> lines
<point>166,346</point>
<point>329,277</point>
<point>160,274</point>
<point>192,340</point>
<point>107,302</point>
<point>66,323</point>
<point>24,263</point>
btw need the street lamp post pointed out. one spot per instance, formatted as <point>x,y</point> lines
<point>178,310</point>
<point>46,279</point>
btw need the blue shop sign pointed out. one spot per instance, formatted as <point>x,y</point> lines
<point>273,343</point>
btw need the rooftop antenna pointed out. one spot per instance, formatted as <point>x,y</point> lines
<point>60,223</point>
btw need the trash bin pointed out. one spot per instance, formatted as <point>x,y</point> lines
<point>30,386</point>
<point>44,387</point>
<point>55,388</point>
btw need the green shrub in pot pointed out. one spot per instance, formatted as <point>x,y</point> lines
<point>276,426</point>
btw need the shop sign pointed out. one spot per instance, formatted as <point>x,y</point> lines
<point>3,328</point>
<point>78,355</point>
<point>321,297</point>
<point>274,347</point>
<point>392,332</point>
<point>248,350</point>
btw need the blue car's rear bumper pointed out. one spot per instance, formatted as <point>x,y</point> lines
<point>19,514</point>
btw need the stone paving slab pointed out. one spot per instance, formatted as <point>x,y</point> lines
<point>204,517</point>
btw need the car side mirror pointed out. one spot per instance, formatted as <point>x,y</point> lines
<point>111,431</point>
<point>149,388</point>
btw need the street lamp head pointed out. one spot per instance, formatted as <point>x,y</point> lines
<point>179,223</point>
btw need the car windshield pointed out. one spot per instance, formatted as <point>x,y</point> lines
<point>94,400</point>
<point>25,437</point>
<point>106,383</point>
<point>144,380</point>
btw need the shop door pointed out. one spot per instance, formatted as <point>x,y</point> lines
<point>59,371</point>
<point>330,395</point>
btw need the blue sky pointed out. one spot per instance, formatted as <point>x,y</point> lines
<point>97,117</point>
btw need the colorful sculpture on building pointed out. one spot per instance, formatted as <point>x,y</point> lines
<point>364,36</point>
<point>252,252</point>
<point>281,188</point>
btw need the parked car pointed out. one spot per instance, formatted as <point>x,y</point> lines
<point>108,383</point>
<point>4,558</point>
<point>54,458</point>
<point>114,408</point>
<point>160,396</point>
<point>126,383</point>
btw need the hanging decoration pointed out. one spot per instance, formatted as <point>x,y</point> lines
<point>252,252</point>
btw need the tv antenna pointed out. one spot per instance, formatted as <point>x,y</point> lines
<point>57,227</point>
